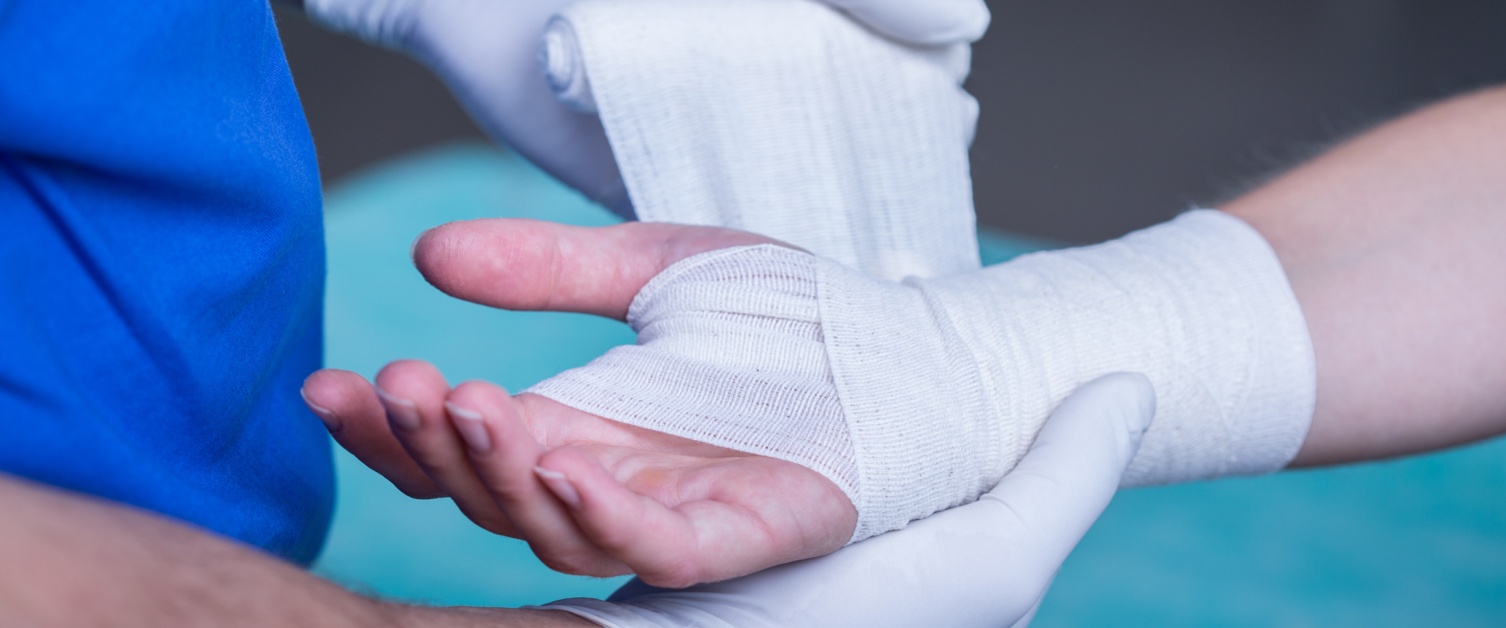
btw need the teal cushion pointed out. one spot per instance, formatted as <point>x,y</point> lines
<point>1416,541</point>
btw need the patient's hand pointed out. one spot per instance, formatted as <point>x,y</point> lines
<point>591,496</point>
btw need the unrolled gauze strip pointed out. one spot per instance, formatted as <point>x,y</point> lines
<point>781,117</point>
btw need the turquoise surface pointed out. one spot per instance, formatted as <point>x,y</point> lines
<point>1402,543</point>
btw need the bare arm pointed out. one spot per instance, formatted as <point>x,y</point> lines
<point>76,561</point>
<point>1395,244</point>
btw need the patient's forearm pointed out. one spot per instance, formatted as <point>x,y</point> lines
<point>1395,244</point>
<point>75,561</point>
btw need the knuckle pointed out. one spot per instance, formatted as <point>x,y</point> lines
<point>612,538</point>
<point>675,575</point>
<point>419,492</point>
<point>570,562</point>
<point>494,524</point>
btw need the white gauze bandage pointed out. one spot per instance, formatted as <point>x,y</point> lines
<point>780,117</point>
<point>914,397</point>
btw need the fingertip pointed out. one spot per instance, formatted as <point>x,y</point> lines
<point>560,485</point>
<point>492,261</point>
<point>331,388</point>
<point>410,390</point>
<point>572,465</point>
<point>483,411</point>
<point>1091,436</point>
<point>413,248</point>
<point>324,376</point>
<point>478,394</point>
<point>1109,414</point>
<point>330,419</point>
<point>471,406</point>
<point>537,505</point>
<point>656,542</point>
<point>1137,399</point>
<point>361,426</point>
<point>401,376</point>
<point>471,425</point>
<point>593,496</point>
<point>433,249</point>
<point>332,394</point>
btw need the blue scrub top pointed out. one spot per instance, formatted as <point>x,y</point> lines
<point>161,265</point>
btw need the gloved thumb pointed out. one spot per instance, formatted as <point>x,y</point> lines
<point>388,23</point>
<point>1074,467</point>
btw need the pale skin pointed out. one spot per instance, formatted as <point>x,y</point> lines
<point>72,560</point>
<point>1394,243</point>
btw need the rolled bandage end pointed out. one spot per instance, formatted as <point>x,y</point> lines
<point>564,68</point>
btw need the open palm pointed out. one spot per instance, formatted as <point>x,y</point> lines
<point>590,495</point>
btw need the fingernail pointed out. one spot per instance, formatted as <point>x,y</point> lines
<point>472,428</point>
<point>331,422</point>
<point>402,412</point>
<point>559,485</point>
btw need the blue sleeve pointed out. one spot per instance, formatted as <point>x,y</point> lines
<point>162,262</point>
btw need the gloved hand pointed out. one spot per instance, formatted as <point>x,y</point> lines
<point>487,51</point>
<point>985,564</point>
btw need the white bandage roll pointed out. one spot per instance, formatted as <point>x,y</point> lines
<point>781,117</point>
<point>920,396</point>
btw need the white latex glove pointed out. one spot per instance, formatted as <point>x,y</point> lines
<point>488,53</point>
<point>984,564</point>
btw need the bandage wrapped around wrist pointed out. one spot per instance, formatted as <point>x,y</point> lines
<point>918,396</point>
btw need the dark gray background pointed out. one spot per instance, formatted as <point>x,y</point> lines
<point>1097,117</point>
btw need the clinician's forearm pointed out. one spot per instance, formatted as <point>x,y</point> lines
<point>1395,244</point>
<point>75,561</point>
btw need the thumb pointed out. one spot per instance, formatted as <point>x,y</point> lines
<point>519,264</point>
<point>1071,472</point>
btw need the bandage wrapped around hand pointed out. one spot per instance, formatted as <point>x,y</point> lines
<point>918,396</point>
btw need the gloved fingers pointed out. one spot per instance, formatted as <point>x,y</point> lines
<point>921,22</point>
<point>389,23</point>
<point>983,564</point>
<point>521,264</point>
<point>414,393</point>
<point>504,454</point>
<point>1030,615</point>
<point>1074,467</point>
<point>960,567</point>
<point>349,407</point>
